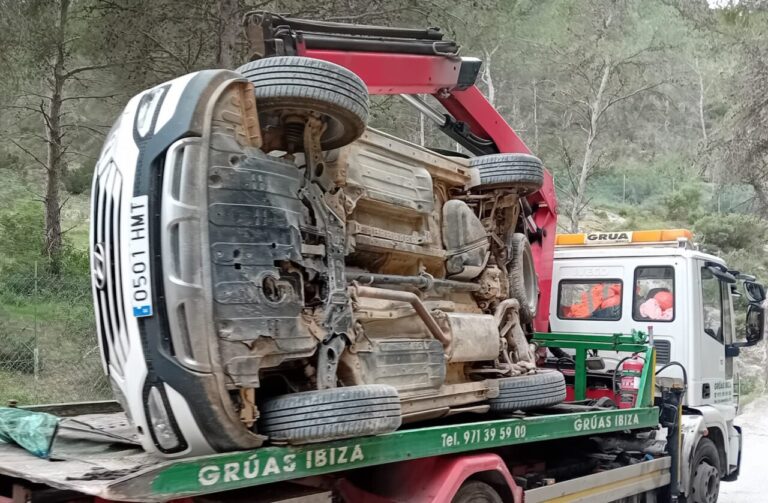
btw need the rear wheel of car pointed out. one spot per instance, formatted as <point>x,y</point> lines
<point>523,282</point>
<point>330,414</point>
<point>288,87</point>
<point>530,391</point>
<point>523,173</point>
<point>474,491</point>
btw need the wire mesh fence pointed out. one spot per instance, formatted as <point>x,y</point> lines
<point>48,347</point>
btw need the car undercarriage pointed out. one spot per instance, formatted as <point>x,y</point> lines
<point>314,278</point>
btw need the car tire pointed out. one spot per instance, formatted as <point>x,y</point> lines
<point>474,491</point>
<point>296,84</point>
<point>523,173</point>
<point>331,414</point>
<point>530,391</point>
<point>523,282</point>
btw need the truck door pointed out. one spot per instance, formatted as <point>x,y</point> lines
<point>711,383</point>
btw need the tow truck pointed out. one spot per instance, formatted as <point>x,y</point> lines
<point>694,334</point>
<point>588,449</point>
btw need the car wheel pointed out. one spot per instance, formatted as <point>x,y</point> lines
<point>290,86</point>
<point>523,282</point>
<point>331,414</point>
<point>530,391</point>
<point>474,491</point>
<point>522,173</point>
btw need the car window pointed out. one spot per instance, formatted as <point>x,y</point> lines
<point>712,304</point>
<point>654,295</point>
<point>589,299</point>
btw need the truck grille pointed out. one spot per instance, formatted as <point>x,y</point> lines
<point>105,267</point>
<point>663,351</point>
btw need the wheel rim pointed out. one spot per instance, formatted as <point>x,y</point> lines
<point>338,130</point>
<point>706,483</point>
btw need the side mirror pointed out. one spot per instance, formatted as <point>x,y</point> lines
<point>720,272</point>
<point>755,291</point>
<point>743,276</point>
<point>755,324</point>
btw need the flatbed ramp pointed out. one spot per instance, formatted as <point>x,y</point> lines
<point>123,473</point>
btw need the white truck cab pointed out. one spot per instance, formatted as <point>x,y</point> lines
<point>658,282</point>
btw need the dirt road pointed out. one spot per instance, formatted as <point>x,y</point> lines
<point>752,485</point>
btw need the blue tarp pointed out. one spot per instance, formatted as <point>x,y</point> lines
<point>33,431</point>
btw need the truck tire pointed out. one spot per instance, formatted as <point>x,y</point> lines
<point>298,84</point>
<point>474,491</point>
<point>531,391</point>
<point>521,172</point>
<point>331,414</point>
<point>523,282</point>
<point>705,474</point>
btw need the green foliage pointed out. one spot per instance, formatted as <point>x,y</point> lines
<point>21,243</point>
<point>731,232</point>
<point>17,347</point>
<point>684,204</point>
<point>78,181</point>
<point>21,233</point>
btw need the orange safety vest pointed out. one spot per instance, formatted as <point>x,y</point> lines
<point>601,295</point>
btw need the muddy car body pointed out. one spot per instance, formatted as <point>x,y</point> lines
<point>266,267</point>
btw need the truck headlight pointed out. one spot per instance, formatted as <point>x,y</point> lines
<point>160,421</point>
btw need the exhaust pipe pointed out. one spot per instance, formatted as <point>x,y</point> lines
<point>412,299</point>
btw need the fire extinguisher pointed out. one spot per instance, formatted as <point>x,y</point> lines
<point>630,371</point>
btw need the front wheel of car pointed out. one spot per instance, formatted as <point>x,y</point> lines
<point>290,87</point>
<point>331,414</point>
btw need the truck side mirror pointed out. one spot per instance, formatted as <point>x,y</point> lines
<point>755,324</point>
<point>755,291</point>
<point>720,272</point>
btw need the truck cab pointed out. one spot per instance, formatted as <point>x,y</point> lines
<point>659,283</point>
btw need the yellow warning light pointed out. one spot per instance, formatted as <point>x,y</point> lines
<point>623,237</point>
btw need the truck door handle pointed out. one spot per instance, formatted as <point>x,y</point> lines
<point>705,390</point>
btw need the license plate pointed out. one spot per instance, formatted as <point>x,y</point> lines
<point>138,248</point>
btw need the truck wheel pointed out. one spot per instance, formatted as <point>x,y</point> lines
<point>293,85</point>
<point>521,172</point>
<point>523,283</point>
<point>705,474</point>
<point>531,391</point>
<point>330,414</point>
<point>474,491</point>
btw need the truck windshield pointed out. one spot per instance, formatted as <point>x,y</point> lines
<point>654,297</point>
<point>590,299</point>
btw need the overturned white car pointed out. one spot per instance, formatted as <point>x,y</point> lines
<point>265,267</point>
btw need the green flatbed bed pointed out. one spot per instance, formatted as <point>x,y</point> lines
<point>126,473</point>
<point>91,463</point>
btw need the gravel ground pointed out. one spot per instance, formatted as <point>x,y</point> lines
<point>752,485</point>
